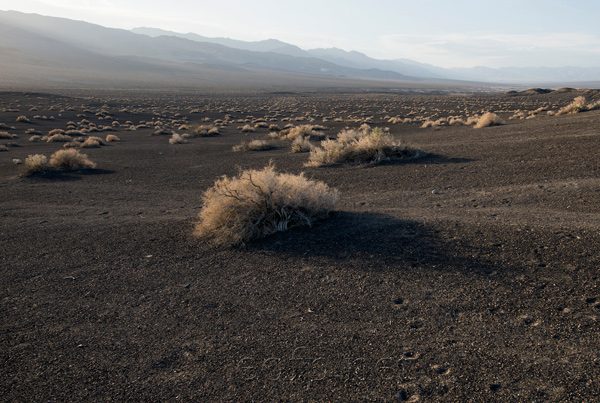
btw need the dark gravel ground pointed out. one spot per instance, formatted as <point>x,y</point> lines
<point>485,290</point>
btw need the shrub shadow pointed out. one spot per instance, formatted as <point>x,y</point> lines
<point>62,175</point>
<point>377,239</point>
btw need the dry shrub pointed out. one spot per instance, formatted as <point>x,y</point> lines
<point>112,137</point>
<point>73,144</point>
<point>35,138</point>
<point>23,119</point>
<point>100,140</point>
<point>177,139</point>
<point>247,129</point>
<point>59,138</point>
<point>360,146</point>
<point>301,145</point>
<point>70,159</point>
<point>90,143</point>
<point>429,123</point>
<point>7,135</point>
<point>593,106</point>
<point>488,119</point>
<point>257,203</point>
<point>36,163</point>
<point>254,145</point>
<point>297,131</point>
<point>3,147</point>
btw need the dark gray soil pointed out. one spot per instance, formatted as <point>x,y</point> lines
<point>471,274</point>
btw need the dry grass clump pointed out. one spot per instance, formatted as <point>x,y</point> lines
<point>258,203</point>
<point>360,146</point>
<point>23,119</point>
<point>177,138</point>
<point>35,138</point>
<point>3,147</point>
<point>578,105</point>
<point>35,163</point>
<point>488,119</point>
<point>111,138</point>
<point>301,145</point>
<point>70,159</point>
<point>7,135</point>
<point>254,145</point>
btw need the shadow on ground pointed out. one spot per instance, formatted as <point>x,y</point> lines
<point>380,241</point>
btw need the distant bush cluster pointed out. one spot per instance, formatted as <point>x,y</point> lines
<point>69,159</point>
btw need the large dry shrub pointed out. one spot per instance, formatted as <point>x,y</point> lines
<point>360,146</point>
<point>70,159</point>
<point>257,203</point>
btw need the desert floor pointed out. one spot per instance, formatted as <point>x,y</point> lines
<point>471,274</point>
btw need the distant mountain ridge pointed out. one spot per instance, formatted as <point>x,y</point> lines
<point>357,60</point>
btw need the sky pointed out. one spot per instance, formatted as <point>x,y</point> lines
<point>444,33</point>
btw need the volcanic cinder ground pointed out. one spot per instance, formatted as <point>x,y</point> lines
<point>471,274</point>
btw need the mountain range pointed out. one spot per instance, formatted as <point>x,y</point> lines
<point>37,49</point>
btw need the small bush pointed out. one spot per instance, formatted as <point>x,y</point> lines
<point>73,144</point>
<point>59,138</point>
<point>70,159</point>
<point>254,145</point>
<point>360,146</point>
<point>100,140</point>
<point>112,137</point>
<point>90,143</point>
<point>3,147</point>
<point>23,119</point>
<point>36,163</point>
<point>247,129</point>
<point>301,145</point>
<point>257,203</point>
<point>488,119</point>
<point>7,135</point>
<point>177,138</point>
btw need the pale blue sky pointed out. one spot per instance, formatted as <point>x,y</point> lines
<point>459,33</point>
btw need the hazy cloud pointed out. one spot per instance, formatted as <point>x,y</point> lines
<point>498,50</point>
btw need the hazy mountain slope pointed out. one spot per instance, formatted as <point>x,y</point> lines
<point>361,61</point>
<point>269,45</point>
<point>122,43</point>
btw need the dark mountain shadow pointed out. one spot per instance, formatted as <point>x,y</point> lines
<point>378,240</point>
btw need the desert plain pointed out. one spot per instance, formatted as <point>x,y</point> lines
<point>469,274</point>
